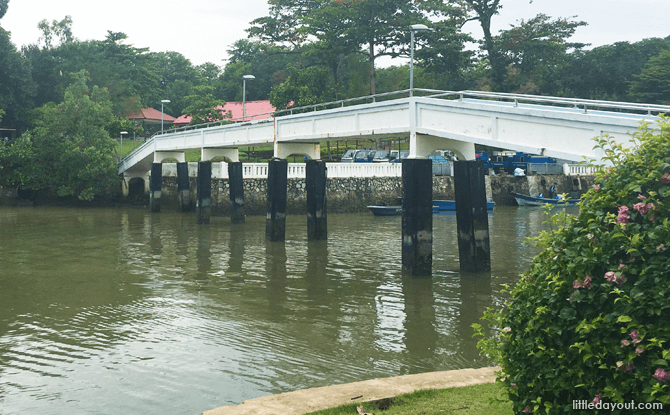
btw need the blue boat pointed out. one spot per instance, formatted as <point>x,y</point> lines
<point>451,205</point>
<point>541,201</point>
<point>391,210</point>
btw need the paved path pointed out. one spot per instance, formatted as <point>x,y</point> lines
<point>309,400</point>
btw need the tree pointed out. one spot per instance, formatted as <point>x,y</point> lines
<point>653,84</point>
<point>16,87</point>
<point>73,152</point>
<point>203,107</point>
<point>56,30</point>
<point>303,87</point>
<point>380,26</point>
<point>3,7</point>
<point>606,72</point>
<point>535,52</point>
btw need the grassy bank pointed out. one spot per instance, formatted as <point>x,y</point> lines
<point>484,399</point>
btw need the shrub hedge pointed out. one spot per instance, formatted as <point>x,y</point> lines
<point>590,320</point>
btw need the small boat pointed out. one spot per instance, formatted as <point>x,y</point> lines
<point>541,201</point>
<point>391,210</point>
<point>451,204</point>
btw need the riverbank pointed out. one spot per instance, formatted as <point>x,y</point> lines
<point>309,400</point>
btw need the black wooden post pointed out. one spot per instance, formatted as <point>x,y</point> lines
<point>472,219</point>
<point>417,216</point>
<point>183,187</point>
<point>155,187</point>
<point>236,184</point>
<point>275,223</point>
<point>203,203</point>
<point>315,182</point>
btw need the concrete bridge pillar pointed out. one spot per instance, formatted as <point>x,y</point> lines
<point>426,144</point>
<point>417,216</point>
<point>155,187</point>
<point>472,219</point>
<point>236,185</point>
<point>311,150</point>
<point>275,224</point>
<point>160,156</point>
<point>204,188</point>
<point>232,154</point>
<point>315,182</point>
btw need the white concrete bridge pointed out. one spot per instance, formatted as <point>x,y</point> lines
<point>555,127</point>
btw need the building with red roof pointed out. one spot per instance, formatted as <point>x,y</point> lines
<point>150,119</point>
<point>255,110</point>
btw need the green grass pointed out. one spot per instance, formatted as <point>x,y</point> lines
<point>484,399</point>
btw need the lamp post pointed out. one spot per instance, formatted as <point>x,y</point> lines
<point>163,101</point>
<point>122,134</point>
<point>244,93</point>
<point>413,28</point>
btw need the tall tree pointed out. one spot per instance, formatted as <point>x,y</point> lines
<point>535,52</point>
<point>483,11</point>
<point>74,154</point>
<point>653,84</point>
<point>203,107</point>
<point>16,86</point>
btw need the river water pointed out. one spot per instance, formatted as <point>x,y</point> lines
<point>118,311</point>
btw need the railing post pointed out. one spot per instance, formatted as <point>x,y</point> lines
<point>236,185</point>
<point>275,223</point>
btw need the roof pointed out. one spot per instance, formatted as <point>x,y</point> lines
<point>151,114</point>
<point>255,110</point>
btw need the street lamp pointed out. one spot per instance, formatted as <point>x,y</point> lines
<point>413,28</point>
<point>122,133</point>
<point>163,101</point>
<point>244,93</point>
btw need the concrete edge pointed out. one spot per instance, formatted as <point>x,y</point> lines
<point>315,399</point>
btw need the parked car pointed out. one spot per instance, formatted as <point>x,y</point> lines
<point>348,156</point>
<point>364,156</point>
<point>382,156</point>
<point>397,156</point>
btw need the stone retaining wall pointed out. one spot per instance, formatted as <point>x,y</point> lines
<point>355,194</point>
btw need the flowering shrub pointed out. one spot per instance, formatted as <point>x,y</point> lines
<point>591,318</point>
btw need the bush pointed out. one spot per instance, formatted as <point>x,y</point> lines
<point>590,319</point>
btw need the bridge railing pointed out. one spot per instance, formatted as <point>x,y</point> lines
<point>578,170</point>
<point>296,170</point>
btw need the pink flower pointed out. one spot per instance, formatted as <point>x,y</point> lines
<point>623,215</point>
<point>597,398</point>
<point>636,341</point>
<point>526,410</point>
<point>641,197</point>
<point>639,350</point>
<point>660,247</point>
<point>609,276</point>
<point>643,208</point>
<point>587,282</point>
<point>596,187</point>
<point>577,284</point>
<point>633,334</point>
<point>507,329</point>
<point>621,265</point>
<point>665,178</point>
<point>661,375</point>
<point>628,368</point>
<point>625,342</point>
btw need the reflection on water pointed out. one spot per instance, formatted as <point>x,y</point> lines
<point>121,311</point>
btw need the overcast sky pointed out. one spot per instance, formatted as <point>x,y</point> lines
<point>202,30</point>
